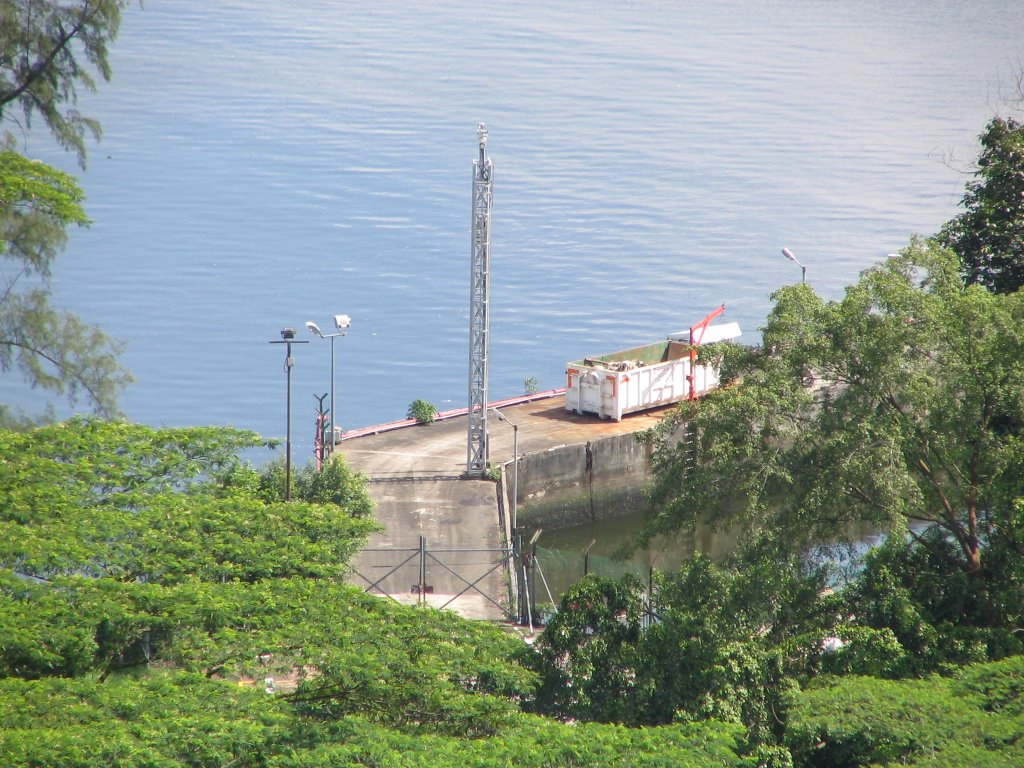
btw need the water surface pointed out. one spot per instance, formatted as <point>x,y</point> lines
<point>267,162</point>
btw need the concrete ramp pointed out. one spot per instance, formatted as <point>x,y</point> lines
<point>417,479</point>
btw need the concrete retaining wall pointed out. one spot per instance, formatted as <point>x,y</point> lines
<point>572,484</point>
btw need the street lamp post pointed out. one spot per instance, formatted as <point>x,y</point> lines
<point>515,544</point>
<point>341,322</point>
<point>288,338</point>
<point>803,270</point>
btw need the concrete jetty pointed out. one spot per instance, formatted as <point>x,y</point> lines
<point>445,536</point>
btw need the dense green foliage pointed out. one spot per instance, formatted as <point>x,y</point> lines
<point>759,641</point>
<point>714,642</point>
<point>151,584</point>
<point>915,418</point>
<point>334,483</point>
<point>176,720</point>
<point>940,616</point>
<point>422,411</point>
<point>123,550</point>
<point>974,718</point>
<point>989,235</point>
<point>589,655</point>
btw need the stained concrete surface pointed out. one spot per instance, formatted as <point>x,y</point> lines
<point>417,479</point>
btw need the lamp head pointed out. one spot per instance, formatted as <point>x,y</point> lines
<point>314,328</point>
<point>342,321</point>
<point>789,254</point>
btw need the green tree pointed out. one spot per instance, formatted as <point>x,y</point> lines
<point>49,51</point>
<point>972,718</point>
<point>119,531</point>
<point>422,411</point>
<point>334,483</point>
<point>914,420</point>
<point>717,643</point>
<point>180,720</point>
<point>51,349</point>
<point>125,548</point>
<point>731,639</point>
<point>989,235</point>
<point>939,616</point>
<point>590,652</point>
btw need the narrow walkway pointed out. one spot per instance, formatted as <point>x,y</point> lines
<point>417,479</point>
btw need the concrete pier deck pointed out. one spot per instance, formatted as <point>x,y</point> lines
<point>417,479</point>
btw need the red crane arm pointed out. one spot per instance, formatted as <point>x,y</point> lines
<point>694,338</point>
<point>696,334</point>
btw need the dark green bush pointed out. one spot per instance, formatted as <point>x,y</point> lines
<point>422,411</point>
<point>972,719</point>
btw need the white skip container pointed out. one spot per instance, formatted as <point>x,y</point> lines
<point>632,380</point>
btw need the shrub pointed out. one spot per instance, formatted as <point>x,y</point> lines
<point>422,411</point>
<point>971,719</point>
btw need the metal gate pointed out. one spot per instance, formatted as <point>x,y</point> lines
<point>439,577</point>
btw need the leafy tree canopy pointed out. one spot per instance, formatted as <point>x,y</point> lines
<point>989,234</point>
<point>124,534</point>
<point>590,652</point>
<point>711,643</point>
<point>51,349</point>
<point>180,720</point>
<point>738,641</point>
<point>972,718</point>
<point>937,617</point>
<point>332,483</point>
<point>49,51</point>
<point>127,547</point>
<point>144,578</point>
<point>914,419</point>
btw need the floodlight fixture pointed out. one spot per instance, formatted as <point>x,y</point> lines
<point>803,270</point>
<point>342,322</point>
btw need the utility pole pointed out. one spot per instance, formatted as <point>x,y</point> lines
<point>288,338</point>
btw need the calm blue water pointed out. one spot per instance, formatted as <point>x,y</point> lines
<point>267,162</point>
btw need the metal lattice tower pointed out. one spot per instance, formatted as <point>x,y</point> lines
<point>479,310</point>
